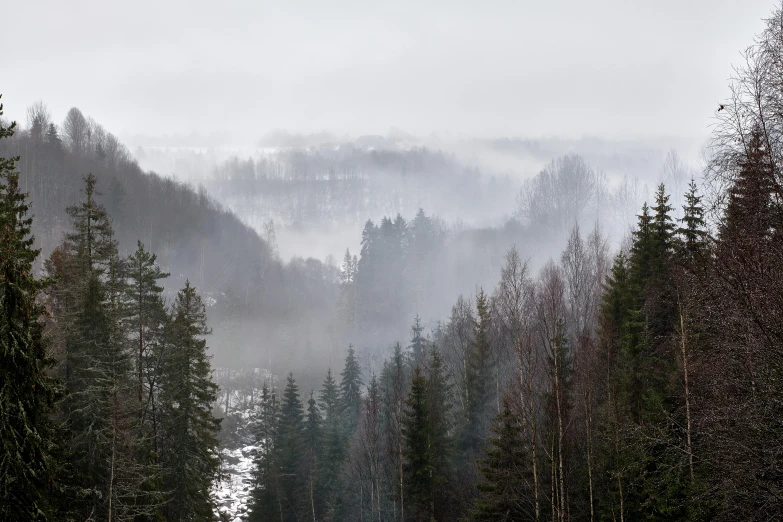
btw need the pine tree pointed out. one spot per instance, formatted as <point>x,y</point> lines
<point>27,394</point>
<point>350,393</point>
<point>505,492</point>
<point>189,453</point>
<point>418,342</point>
<point>663,225</point>
<point>103,424</point>
<point>332,453</point>
<point>692,229</point>
<point>642,253</point>
<point>291,437</point>
<point>147,319</point>
<point>312,452</point>
<point>265,501</point>
<point>394,385</point>
<point>480,380</point>
<point>418,466</point>
<point>751,213</point>
<point>441,445</point>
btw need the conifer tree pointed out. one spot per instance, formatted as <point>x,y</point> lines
<point>505,492</point>
<point>418,468</point>
<point>291,445</point>
<point>394,384</point>
<point>102,422</point>
<point>147,319</point>
<point>332,453</point>
<point>480,379</point>
<point>418,342</point>
<point>189,454</point>
<point>692,229</point>
<point>312,452</point>
<point>350,392</point>
<point>441,444</point>
<point>265,503</point>
<point>27,394</point>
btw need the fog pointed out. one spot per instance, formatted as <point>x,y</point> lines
<point>188,71</point>
<point>408,180</point>
<point>444,107</point>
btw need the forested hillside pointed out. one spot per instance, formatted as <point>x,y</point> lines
<point>159,361</point>
<point>188,229</point>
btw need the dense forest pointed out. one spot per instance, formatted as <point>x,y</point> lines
<point>641,382</point>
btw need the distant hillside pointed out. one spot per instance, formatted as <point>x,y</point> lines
<point>193,236</point>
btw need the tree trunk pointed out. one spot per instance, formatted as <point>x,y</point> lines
<point>113,457</point>
<point>559,434</point>
<point>684,349</point>
<point>312,500</point>
<point>589,437</point>
<point>228,387</point>
<point>399,450</point>
<point>141,348</point>
<point>554,491</point>
<point>526,383</point>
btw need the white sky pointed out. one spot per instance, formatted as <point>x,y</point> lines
<point>609,68</point>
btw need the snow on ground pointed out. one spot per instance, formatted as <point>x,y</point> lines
<point>238,451</point>
<point>233,492</point>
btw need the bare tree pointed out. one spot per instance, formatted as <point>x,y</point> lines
<point>38,120</point>
<point>562,194</point>
<point>514,304</point>
<point>75,131</point>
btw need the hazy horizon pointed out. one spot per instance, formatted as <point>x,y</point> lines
<point>232,76</point>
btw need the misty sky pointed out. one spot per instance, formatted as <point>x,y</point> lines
<point>608,68</point>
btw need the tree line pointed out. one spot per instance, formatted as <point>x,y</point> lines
<point>106,400</point>
<point>639,386</point>
<point>597,389</point>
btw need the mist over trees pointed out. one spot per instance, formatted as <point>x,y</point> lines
<point>601,351</point>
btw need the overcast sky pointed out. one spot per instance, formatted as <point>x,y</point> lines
<point>616,69</point>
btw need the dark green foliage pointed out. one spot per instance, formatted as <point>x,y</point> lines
<point>692,229</point>
<point>480,380</point>
<point>146,318</point>
<point>350,404</point>
<point>427,444</point>
<point>311,461</point>
<point>290,452</point>
<point>27,394</point>
<point>505,488</point>
<point>189,447</point>
<point>418,342</point>
<point>265,497</point>
<point>441,444</point>
<point>418,466</point>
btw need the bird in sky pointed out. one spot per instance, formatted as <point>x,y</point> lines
<point>721,107</point>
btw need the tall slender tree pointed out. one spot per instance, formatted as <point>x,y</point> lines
<point>27,393</point>
<point>189,452</point>
<point>350,392</point>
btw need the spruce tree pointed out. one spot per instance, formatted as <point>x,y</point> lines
<point>189,453</point>
<point>311,463</point>
<point>27,394</point>
<point>505,493</point>
<point>265,501</point>
<point>102,422</point>
<point>332,453</point>
<point>350,393</point>
<point>692,229</point>
<point>480,380</point>
<point>147,319</point>
<point>418,342</point>
<point>291,445</point>
<point>418,465</point>
<point>441,445</point>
